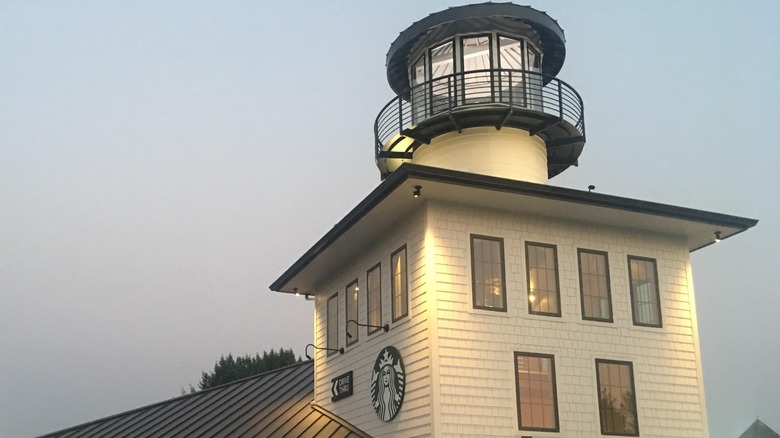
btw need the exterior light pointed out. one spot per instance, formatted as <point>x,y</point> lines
<point>385,327</point>
<point>717,237</point>
<point>416,191</point>
<point>295,289</point>
<point>306,350</point>
<point>591,188</point>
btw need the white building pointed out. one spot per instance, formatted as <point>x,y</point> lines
<point>512,307</point>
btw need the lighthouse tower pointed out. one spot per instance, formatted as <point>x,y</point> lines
<point>465,296</point>
<point>477,92</point>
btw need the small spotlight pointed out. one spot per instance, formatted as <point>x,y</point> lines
<point>416,191</point>
<point>717,237</point>
<point>295,289</point>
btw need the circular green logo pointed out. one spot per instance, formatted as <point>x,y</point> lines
<point>388,381</point>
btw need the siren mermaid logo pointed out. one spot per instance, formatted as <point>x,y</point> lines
<point>388,381</point>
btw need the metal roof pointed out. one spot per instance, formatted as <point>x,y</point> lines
<point>759,430</point>
<point>273,404</point>
<point>391,201</point>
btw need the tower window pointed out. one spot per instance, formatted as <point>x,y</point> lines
<point>617,398</point>
<point>543,291</point>
<point>333,324</point>
<point>645,298</point>
<point>399,285</point>
<point>352,312</point>
<point>374,297</point>
<point>537,404</point>
<point>487,273</point>
<point>595,296</point>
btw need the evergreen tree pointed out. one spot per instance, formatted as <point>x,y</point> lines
<point>229,369</point>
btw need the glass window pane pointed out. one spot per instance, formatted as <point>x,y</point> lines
<point>374,298</point>
<point>476,80</point>
<point>333,323</point>
<point>645,300</point>
<point>352,312</point>
<point>419,91</point>
<point>399,285</point>
<point>536,395</point>
<point>595,294</point>
<point>617,400</point>
<point>487,271</point>
<point>442,90</point>
<point>543,291</point>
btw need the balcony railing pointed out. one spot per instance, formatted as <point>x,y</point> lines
<point>516,91</point>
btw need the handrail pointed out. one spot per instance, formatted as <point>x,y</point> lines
<point>516,89</point>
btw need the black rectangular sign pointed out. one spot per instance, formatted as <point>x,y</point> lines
<point>341,386</point>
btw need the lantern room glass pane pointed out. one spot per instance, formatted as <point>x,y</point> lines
<point>510,61</point>
<point>442,86</point>
<point>535,83</point>
<point>419,92</point>
<point>477,63</point>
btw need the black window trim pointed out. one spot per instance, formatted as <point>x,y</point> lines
<point>609,285</point>
<point>332,349</point>
<point>405,281</point>
<point>368,299</point>
<point>557,279</point>
<point>554,387</point>
<point>633,392</point>
<point>657,292</point>
<point>346,313</point>
<point>500,241</point>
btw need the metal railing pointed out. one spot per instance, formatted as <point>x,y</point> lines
<point>513,89</point>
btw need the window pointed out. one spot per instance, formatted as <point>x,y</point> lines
<point>543,292</point>
<point>595,296</point>
<point>374,297</point>
<point>476,63</point>
<point>487,273</point>
<point>399,285</point>
<point>645,299</point>
<point>352,312</point>
<point>617,399</point>
<point>333,324</point>
<point>537,404</point>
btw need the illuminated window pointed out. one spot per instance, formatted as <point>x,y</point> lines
<point>374,297</point>
<point>537,404</point>
<point>617,399</point>
<point>399,285</point>
<point>543,291</point>
<point>333,324</point>
<point>595,296</point>
<point>645,299</point>
<point>487,273</point>
<point>352,312</point>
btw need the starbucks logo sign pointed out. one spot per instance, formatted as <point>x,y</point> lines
<point>388,381</point>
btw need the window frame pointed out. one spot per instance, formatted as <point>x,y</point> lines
<point>657,292</point>
<point>347,288</point>
<point>404,282</point>
<point>581,251</point>
<point>630,366</point>
<point>500,241</point>
<point>377,267</point>
<point>551,357</point>
<point>332,349</point>
<point>557,279</point>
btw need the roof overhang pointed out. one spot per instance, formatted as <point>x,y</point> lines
<point>392,201</point>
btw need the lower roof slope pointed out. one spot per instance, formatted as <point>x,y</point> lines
<point>272,404</point>
<point>759,430</point>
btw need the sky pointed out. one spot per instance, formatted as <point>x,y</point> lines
<point>161,163</point>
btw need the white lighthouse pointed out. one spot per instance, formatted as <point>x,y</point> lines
<point>467,297</point>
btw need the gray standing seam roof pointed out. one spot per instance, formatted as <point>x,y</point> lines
<point>273,404</point>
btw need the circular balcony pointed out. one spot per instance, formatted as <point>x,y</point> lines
<point>540,104</point>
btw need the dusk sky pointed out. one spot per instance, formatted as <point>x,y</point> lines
<point>161,163</point>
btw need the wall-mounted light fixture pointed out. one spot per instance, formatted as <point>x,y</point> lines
<point>416,191</point>
<point>717,237</point>
<point>306,350</point>
<point>385,327</point>
<point>591,188</point>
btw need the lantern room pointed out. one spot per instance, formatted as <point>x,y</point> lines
<point>476,91</point>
